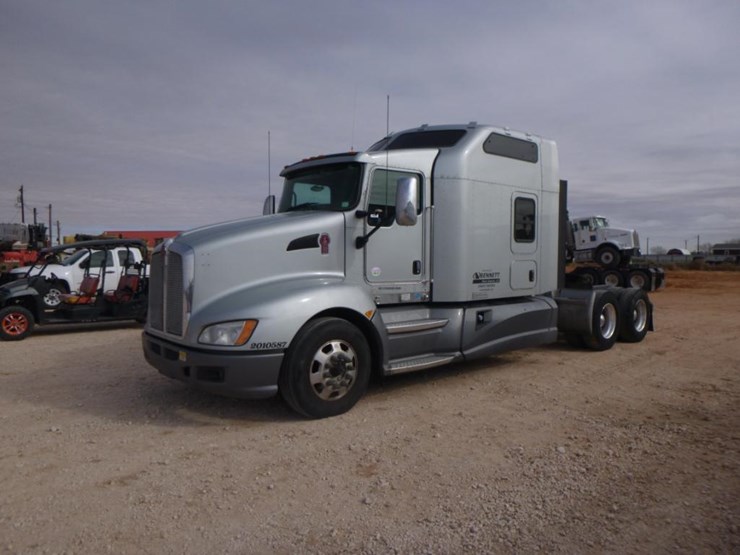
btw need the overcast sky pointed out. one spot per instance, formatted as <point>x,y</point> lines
<point>155,114</point>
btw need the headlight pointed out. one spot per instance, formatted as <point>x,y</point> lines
<point>228,333</point>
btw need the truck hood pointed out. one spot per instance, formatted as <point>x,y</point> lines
<point>244,254</point>
<point>625,238</point>
<point>56,269</point>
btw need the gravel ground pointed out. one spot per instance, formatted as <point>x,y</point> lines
<point>635,450</point>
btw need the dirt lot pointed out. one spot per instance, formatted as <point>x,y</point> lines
<point>554,449</point>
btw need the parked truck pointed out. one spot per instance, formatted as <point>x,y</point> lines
<point>66,267</point>
<point>603,255</point>
<point>113,287</point>
<point>595,240</point>
<point>436,245</point>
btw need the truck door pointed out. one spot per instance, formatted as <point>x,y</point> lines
<point>395,263</point>
<point>524,244</point>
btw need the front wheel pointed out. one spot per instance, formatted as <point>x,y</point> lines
<point>53,297</point>
<point>16,323</point>
<point>326,369</point>
<point>608,256</point>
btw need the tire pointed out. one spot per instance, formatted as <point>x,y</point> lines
<point>639,280</point>
<point>608,256</point>
<point>16,323</point>
<point>604,322</point>
<point>612,278</point>
<point>635,311</point>
<point>52,298</point>
<point>588,277</point>
<point>327,368</point>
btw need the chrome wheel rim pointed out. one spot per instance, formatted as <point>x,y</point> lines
<point>333,370</point>
<point>640,315</point>
<point>608,321</point>
<point>53,297</point>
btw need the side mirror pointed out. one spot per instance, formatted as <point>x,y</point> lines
<point>269,206</point>
<point>407,191</point>
<point>375,219</point>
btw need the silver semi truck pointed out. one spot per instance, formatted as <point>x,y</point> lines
<point>435,245</point>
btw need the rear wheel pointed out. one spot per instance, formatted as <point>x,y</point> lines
<point>588,277</point>
<point>604,322</point>
<point>327,368</point>
<point>634,309</point>
<point>16,323</point>
<point>612,278</point>
<point>639,280</point>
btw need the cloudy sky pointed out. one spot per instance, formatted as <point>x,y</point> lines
<point>155,114</point>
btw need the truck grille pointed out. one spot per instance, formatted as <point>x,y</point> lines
<point>166,295</point>
<point>173,291</point>
<point>156,299</point>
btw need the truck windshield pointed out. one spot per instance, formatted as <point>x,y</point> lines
<point>600,222</point>
<point>73,259</point>
<point>334,187</point>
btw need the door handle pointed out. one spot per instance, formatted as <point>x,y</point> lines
<point>416,268</point>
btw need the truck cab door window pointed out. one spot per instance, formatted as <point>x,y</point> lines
<point>382,201</point>
<point>524,220</point>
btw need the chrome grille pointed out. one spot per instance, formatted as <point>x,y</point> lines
<point>156,299</point>
<point>173,290</point>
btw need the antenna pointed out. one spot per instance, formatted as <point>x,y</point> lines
<point>387,132</point>
<point>269,185</point>
<point>387,115</point>
<point>354,117</point>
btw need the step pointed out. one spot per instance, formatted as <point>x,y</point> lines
<point>410,326</point>
<point>419,363</point>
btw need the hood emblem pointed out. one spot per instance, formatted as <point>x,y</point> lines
<point>324,241</point>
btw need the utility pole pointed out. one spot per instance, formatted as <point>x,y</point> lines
<point>34,216</point>
<point>23,207</point>
<point>686,244</point>
<point>648,246</point>
<point>697,244</point>
<point>59,234</point>
<point>50,228</point>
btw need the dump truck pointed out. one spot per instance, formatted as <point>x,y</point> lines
<point>436,245</point>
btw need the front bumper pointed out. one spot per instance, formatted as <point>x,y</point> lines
<point>247,376</point>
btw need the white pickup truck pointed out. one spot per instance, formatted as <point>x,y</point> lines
<point>67,275</point>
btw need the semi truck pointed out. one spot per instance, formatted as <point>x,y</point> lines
<point>595,240</point>
<point>604,255</point>
<point>436,245</point>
